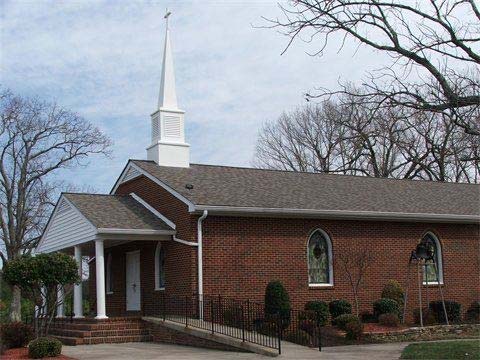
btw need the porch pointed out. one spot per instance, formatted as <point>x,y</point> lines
<point>88,225</point>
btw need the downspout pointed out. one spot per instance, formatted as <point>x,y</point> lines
<point>200,254</point>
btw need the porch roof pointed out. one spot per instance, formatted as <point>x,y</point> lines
<point>116,212</point>
<point>79,218</point>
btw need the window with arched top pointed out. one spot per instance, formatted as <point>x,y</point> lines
<point>160,257</point>
<point>108,275</point>
<point>434,267</point>
<point>319,256</point>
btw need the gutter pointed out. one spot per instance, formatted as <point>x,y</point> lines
<point>340,214</point>
<point>200,253</point>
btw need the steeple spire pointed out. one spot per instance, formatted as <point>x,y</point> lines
<point>168,147</point>
<point>168,97</point>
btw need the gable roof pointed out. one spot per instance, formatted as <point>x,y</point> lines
<point>116,212</point>
<point>276,191</point>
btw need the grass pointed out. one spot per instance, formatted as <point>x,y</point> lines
<point>460,349</point>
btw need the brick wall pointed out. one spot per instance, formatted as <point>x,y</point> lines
<point>242,254</point>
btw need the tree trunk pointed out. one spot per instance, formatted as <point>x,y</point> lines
<point>16,305</point>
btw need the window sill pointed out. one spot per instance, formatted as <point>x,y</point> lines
<point>160,289</point>
<point>320,285</point>
<point>109,292</point>
<point>433,283</point>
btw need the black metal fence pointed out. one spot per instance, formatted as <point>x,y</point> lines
<point>242,319</point>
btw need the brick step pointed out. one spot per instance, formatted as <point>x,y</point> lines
<point>117,339</point>
<point>90,320</point>
<point>71,341</point>
<point>98,333</point>
<point>92,327</point>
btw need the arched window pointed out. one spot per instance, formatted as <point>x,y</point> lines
<point>160,267</point>
<point>319,255</point>
<point>434,267</point>
<point>109,277</point>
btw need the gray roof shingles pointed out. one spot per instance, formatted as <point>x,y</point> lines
<point>257,188</point>
<point>116,211</point>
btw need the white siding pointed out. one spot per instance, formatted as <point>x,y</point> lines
<point>66,228</point>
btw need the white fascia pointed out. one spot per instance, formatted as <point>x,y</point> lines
<point>341,214</point>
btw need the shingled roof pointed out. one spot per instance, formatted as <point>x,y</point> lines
<point>116,212</point>
<point>222,186</point>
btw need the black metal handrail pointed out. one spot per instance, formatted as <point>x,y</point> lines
<point>245,320</point>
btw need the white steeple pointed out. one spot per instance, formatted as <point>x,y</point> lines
<point>168,146</point>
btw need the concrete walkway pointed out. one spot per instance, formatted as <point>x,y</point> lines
<point>144,351</point>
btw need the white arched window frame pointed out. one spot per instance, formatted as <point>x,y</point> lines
<point>328,242</point>
<point>438,259</point>
<point>108,275</point>
<point>159,269</point>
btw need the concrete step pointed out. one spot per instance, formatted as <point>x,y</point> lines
<point>117,339</point>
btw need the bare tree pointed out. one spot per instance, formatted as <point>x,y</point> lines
<point>37,140</point>
<point>434,46</point>
<point>355,263</point>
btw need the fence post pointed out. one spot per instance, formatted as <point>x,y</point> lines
<point>219,311</point>
<point>319,335</point>
<point>243,323</point>
<point>186,311</point>
<point>279,330</point>
<point>211,315</point>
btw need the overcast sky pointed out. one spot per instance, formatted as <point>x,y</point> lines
<point>103,60</point>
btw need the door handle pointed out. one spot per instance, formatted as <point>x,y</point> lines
<point>134,287</point>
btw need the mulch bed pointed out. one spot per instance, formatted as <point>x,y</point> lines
<point>22,353</point>
<point>375,328</point>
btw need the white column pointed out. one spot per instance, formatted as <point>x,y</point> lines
<point>77,289</point>
<point>60,302</point>
<point>100,279</point>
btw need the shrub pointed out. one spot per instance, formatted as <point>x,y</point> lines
<point>16,334</point>
<point>320,309</point>
<point>367,317</point>
<point>232,316</point>
<point>453,311</point>
<point>44,347</point>
<point>428,317</point>
<point>385,306</point>
<point>473,313</point>
<point>389,319</point>
<point>339,307</point>
<point>277,302</point>
<point>354,330</point>
<point>342,320</point>
<point>298,337</point>
<point>393,290</point>
<point>266,327</point>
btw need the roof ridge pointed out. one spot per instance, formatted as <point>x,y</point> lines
<point>89,193</point>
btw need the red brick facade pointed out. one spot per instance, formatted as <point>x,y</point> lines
<point>242,254</point>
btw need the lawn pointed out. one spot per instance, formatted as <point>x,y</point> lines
<point>462,349</point>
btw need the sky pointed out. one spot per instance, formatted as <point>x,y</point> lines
<point>102,60</point>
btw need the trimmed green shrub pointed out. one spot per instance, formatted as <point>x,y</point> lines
<point>16,334</point>
<point>342,320</point>
<point>277,303</point>
<point>453,311</point>
<point>339,307</point>
<point>354,330</point>
<point>44,347</point>
<point>393,290</point>
<point>389,319</point>
<point>385,306</point>
<point>473,313</point>
<point>320,309</point>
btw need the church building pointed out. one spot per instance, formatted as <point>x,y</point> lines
<point>171,227</point>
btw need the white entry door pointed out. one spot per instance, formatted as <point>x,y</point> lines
<point>133,281</point>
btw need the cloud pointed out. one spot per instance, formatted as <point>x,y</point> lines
<point>103,60</point>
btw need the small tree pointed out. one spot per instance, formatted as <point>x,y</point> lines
<point>277,302</point>
<point>39,278</point>
<point>355,264</point>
